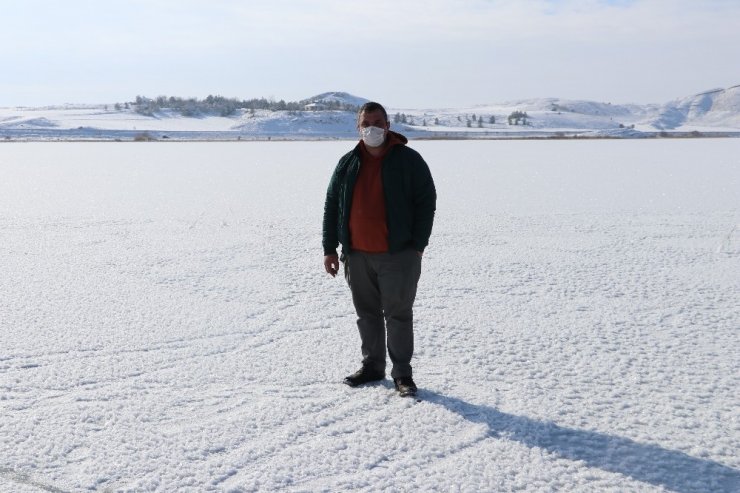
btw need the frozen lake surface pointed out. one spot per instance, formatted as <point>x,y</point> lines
<point>166,324</point>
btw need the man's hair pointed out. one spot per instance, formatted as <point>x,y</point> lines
<point>369,107</point>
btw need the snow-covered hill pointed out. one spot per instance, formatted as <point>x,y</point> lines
<point>342,98</point>
<point>716,108</point>
<point>331,115</point>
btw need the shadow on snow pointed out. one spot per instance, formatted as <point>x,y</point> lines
<point>643,462</point>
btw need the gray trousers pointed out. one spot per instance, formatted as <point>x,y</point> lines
<point>383,289</point>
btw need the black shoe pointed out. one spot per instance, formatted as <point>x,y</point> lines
<point>405,386</point>
<point>364,375</point>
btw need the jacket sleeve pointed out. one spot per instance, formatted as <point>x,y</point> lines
<point>330,238</point>
<point>425,204</point>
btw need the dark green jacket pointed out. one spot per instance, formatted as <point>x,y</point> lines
<point>410,199</point>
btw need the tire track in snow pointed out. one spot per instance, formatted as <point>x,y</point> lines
<point>26,479</point>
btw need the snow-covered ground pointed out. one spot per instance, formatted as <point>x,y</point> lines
<point>166,325</point>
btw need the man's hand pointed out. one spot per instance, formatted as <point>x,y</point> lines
<point>331,264</point>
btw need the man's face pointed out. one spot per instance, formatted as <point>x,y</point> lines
<point>373,119</point>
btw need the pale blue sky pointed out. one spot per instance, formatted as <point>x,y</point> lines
<point>407,54</point>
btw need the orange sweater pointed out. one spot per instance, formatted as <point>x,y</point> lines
<point>368,228</point>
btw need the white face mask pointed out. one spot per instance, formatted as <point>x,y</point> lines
<point>372,136</point>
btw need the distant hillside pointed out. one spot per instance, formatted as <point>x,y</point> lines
<point>331,115</point>
<point>712,111</point>
<point>716,108</point>
<point>334,100</point>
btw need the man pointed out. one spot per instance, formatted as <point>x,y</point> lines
<point>380,206</point>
